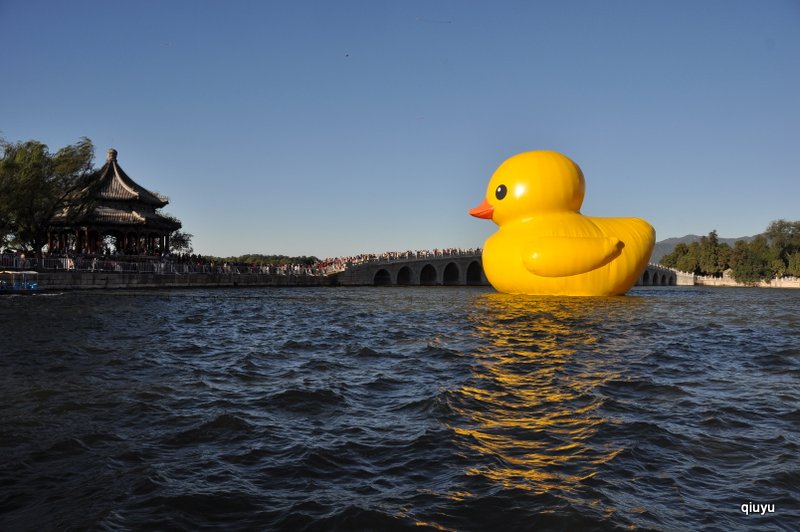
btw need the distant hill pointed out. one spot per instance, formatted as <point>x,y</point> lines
<point>665,247</point>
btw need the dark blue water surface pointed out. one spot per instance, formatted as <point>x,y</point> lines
<point>391,408</point>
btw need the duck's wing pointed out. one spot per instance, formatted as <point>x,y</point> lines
<point>563,256</point>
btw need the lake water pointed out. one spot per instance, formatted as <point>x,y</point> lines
<point>391,408</point>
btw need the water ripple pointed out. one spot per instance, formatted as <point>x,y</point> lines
<point>388,409</point>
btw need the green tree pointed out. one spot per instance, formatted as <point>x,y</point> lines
<point>777,268</point>
<point>711,260</point>
<point>35,185</point>
<point>751,262</point>
<point>690,261</point>
<point>260,260</point>
<point>6,233</point>
<point>723,258</point>
<point>793,264</point>
<point>670,259</point>
<point>772,254</point>
<point>682,258</point>
<point>784,236</point>
<point>180,242</point>
<point>784,241</point>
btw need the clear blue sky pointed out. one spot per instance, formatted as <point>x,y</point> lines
<point>331,128</point>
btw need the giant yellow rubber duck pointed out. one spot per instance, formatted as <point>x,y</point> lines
<point>544,245</point>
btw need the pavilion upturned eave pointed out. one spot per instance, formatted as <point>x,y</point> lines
<point>113,184</point>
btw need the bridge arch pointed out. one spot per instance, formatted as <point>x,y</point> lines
<point>656,275</point>
<point>451,275</point>
<point>404,276</point>
<point>428,275</point>
<point>474,272</point>
<point>459,269</point>
<point>382,278</point>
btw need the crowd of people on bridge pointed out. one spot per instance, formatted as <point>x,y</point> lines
<point>340,263</point>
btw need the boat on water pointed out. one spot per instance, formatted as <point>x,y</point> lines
<point>18,282</point>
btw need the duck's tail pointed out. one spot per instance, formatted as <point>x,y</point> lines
<point>639,238</point>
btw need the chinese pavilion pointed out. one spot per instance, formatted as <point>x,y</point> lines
<point>123,215</point>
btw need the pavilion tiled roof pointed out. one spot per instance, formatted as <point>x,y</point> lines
<point>120,201</point>
<point>115,185</point>
<point>116,216</point>
<point>105,215</point>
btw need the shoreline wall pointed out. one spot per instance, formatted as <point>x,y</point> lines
<point>785,282</point>
<point>690,279</point>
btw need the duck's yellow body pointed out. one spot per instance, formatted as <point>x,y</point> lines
<point>545,245</point>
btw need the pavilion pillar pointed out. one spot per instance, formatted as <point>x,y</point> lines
<point>94,246</point>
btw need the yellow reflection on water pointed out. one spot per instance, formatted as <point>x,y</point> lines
<point>531,409</point>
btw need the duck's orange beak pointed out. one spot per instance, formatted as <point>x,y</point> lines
<point>484,210</point>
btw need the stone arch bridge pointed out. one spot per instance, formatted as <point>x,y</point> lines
<point>454,269</point>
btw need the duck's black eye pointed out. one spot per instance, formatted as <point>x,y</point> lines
<point>500,192</point>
